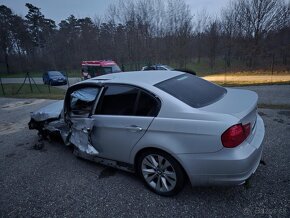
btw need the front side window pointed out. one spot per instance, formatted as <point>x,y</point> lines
<point>82,100</point>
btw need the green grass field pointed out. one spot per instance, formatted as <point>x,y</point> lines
<point>72,73</point>
<point>26,92</point>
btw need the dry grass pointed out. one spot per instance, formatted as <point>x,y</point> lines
<point>25,92</point>
<point>249,78</point>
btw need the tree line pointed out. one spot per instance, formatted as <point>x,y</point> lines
<point>248,34</point>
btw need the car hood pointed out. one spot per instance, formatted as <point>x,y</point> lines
<point>52,111</point>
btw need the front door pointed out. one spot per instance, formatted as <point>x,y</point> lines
<point>122,117</point>
<point>82,101</point>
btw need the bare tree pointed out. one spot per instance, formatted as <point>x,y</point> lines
<point>230,30</point>
<point>257,18</point>
<point>212,39</point>
<point>201,24</point>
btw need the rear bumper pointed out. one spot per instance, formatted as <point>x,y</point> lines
<point>229,166</point>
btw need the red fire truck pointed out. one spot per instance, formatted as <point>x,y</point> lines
<point>96,68</point>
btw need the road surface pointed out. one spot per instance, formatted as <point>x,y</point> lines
<point>52,182</point>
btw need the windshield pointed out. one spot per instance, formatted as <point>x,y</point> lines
<point>194,91</point>
<point>98,70</point>
<point>55,73</point>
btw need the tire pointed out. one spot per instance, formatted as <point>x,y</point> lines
<point>161,172</point>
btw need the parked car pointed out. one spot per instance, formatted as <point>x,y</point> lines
<point>166,67</point>
<point>54,78</point>
<point>157,67</point>
<point>165,126</point>
<point>92,69</point>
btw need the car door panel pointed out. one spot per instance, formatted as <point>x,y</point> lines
<point>114,136</point>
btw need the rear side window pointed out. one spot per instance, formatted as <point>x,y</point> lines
<point>194,91</point>
<point>127,101</point>
<point>147,105</point>
<point>118,100</point>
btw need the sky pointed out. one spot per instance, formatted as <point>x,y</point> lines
<point>61,9</point>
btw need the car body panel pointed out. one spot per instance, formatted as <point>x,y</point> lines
<point>114,136</point>
<point>229,166</point>
<point>236,102</point>
<point>51,111</point>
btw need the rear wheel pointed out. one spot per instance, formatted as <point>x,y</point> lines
<point>161,172</point>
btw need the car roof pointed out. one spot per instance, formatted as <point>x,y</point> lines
<point>138,77</point>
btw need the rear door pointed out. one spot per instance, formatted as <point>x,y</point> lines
<point>122,116</point>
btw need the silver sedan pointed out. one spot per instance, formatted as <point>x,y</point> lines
<point>167,126</point>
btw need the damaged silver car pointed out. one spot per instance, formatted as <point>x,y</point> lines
<point>167,126</point>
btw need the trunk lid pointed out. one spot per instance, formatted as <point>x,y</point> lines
<point>241,104</point>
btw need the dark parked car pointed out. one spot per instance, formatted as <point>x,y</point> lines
<point>54,78</point>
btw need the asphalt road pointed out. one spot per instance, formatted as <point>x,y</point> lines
<point>271,94</point>
<point>52,182</point>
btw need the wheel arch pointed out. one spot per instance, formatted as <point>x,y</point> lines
<point>151,148</point>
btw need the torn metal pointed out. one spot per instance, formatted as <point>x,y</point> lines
<point>80,136</point>
<point>52,111</point>
<point>74,130</point>
<point>51,120</point>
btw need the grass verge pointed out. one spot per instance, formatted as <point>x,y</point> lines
<point>251,83</point>
<point>25,92</point>
<point>37,74</point>
<point>245,80</point>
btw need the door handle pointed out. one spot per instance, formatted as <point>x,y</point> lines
<point>134,128</point>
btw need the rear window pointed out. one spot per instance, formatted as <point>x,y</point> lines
<point>192,90</point>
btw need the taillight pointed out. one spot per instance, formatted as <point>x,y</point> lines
<point>235,135</point>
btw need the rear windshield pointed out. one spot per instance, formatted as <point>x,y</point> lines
<point>192,90</point>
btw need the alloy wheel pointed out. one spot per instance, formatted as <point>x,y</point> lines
<point>159,173</point>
